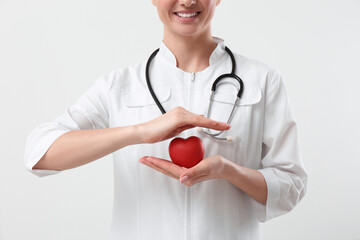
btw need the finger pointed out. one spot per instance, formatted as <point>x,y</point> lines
<point>185,117</point>
<point>144,160</point>
<point>166,165</point>
<point>201,121</point>
<point>201,169</point>
<point>149,164</point>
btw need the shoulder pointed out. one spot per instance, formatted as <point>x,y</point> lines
<point>256,66</point>
<point>122,77</point>
<point>258,77</point>
<point>257,73</point>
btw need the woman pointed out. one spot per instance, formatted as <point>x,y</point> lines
<point>255,178</point>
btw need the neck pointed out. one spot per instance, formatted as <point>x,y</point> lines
<point>192,53</point>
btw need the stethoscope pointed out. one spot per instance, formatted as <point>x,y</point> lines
<point>213,90</point>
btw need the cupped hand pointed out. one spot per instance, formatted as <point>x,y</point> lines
<point>164,166</point>
<point>207,169</point>
<point>174,122</point>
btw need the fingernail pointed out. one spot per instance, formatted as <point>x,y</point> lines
<point>142,159</point>
<point>148,159</point>
<point>184,179</point>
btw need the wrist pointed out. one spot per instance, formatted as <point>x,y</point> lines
<point>226,168</point>
<point>136,133</point>
<point>127,135</point>
<point>229,169</point>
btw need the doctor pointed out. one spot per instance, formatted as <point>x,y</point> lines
<point>259,176</point>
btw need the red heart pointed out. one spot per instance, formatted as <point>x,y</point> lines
<point>186,152</point>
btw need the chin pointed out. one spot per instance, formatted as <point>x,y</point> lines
<point>188,32</point>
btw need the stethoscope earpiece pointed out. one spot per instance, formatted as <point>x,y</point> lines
<point>198,129</point>
<point>230,138</point>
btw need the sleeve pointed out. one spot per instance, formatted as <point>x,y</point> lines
<point>89,112</point>
<point>282,165</point>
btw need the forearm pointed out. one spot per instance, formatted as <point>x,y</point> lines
<point>79,147</point>
<point>250,181</point>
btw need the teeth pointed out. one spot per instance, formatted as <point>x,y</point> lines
<point>186,15</point>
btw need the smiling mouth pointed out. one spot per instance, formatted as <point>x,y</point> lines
<point>187,15</point>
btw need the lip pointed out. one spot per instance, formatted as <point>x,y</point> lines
<point>187,11</point>
<point>187,19</point>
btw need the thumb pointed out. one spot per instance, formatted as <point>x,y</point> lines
<point>192,173</point>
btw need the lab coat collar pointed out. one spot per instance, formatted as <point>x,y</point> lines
<point>219,51</point>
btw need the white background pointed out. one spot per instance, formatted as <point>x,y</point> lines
<point>53,51</point>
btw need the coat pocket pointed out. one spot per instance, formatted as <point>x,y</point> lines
<point>138,106</point>
<point>141,99</point>
<point>251,95</point>
<point>223,105</point>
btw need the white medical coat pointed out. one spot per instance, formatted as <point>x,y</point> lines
<point>151,205</point>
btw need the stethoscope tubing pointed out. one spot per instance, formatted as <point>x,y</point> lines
<point>213,90</point>
<point>147,76</point>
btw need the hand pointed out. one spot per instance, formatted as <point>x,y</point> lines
<point>206,169</point>
<point>174,122</point>
<point>250,181</point>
